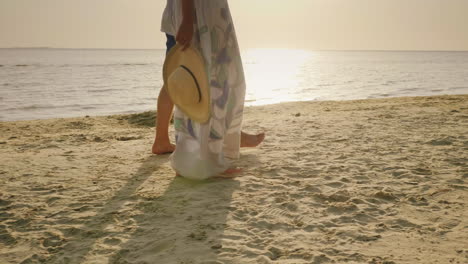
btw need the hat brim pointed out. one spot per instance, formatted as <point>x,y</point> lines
<point>192,59</point>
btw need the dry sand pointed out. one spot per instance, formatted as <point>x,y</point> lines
<point>370,181</point>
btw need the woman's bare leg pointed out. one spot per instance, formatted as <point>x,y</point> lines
<point>162,143</point>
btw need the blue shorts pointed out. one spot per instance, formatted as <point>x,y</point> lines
<point>170,42</point>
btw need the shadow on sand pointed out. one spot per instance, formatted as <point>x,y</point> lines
<point>184,224</point>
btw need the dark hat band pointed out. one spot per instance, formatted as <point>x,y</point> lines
<point>196,82</point>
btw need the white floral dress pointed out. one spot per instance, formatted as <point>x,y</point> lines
<point>206,150</point>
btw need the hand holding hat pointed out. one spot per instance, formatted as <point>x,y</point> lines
<point>185,34</point>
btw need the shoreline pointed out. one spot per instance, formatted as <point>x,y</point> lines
<point>359,181</point>
<point>249,106</point>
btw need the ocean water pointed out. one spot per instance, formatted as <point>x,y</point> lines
<point>50,83</point>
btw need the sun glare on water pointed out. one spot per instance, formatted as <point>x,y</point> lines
<point>271,74</point>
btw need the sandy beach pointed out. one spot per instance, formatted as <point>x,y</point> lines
<point>367,181</point>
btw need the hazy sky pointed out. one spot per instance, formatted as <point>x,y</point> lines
<point>312,24</point>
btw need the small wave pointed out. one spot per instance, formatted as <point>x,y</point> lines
<point>31,107</point>
<point>81,106</point>
<point>57,108</point>
<point>135,64</point>
<point>458,88</point>
<point>379,95</point>
<point>115,64</point>
<point>89,107</point>
<point>410,89</point>
<point>388,83</point>
<point>80,65</point>
<point>326,84</point>
<point>144,87</point>
<point>104,90</point>
<point>308,89</point>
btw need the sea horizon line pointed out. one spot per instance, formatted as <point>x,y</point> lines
<point>316,50</point>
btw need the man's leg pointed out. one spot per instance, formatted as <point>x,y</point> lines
<point>162,143</point>
<point>250,141</point>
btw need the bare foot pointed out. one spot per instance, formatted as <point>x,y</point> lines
<point>230,173</point>
<point>251,141</point>
<point>161,149</point>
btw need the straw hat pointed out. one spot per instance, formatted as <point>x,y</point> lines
<point>187,83</point>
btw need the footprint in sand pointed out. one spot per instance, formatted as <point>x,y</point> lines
<point>335,184</point>
<point>341,208</point>
<point>4,203</point>
<point>339,196</point>
<point>112,241</point>
<point>422,171</point>
<point>128,138</point>
<point>5,237</point>
<point>274,253</point>
<point>442,141</point>
<point>21,225</point>
<point>450,224</point>
<point>386,196</point>
<point>321,259</point>
<point>357,235</point>
<point>78,125</point>
<point>402,224</point>
<point>53,242</point>
<point>418,200</point>
<point>35,259</point>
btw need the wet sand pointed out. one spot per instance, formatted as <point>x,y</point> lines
<point>368,181</point>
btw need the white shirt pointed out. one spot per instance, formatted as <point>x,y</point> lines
<point>171,15</point>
